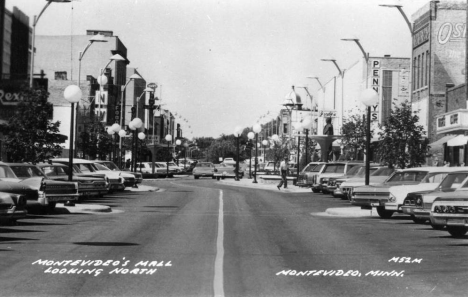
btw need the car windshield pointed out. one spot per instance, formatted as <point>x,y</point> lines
<point>111,166</point>
<point>355,170</point>
<point>434,177</point>
<point>362,171</point>
<point>407,176</point>
<point>309,167</point>
<point>26,171</point>
<point>204,165</point>
<point>334,168</point>
<point>85,167</point>
<point>55,170</point>
<point>453,180</point>
<point>384,171</point>
<point>101,167</point>
<point>6,172</point>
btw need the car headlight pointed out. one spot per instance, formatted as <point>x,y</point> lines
<point>391,198</point>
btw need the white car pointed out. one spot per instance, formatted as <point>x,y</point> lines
<point>229,161</point>
<point>147,170</point>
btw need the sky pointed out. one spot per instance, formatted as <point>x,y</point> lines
<point>225,63</point>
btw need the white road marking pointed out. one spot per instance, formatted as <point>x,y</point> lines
<point>218,271</point>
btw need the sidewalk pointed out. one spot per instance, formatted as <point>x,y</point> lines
<point>248,183</point>
<point>82,208</point>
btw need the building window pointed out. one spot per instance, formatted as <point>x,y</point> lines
<point>454,119</point>
<point>387,80</point>
<point>423,72</point>
<point>427,68</point>
<point>60,75</point>
<point>441,122</point>
<point>285,128</point>
<point>414,74</point>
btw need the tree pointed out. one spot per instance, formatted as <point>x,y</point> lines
<point>94,141</point>
<point>402,143</point>
<point>354,136</point>
<point>221,149</point>
<point>278,150</point>
<point>32,136</point>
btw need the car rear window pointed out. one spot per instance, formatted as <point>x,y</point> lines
<point>204,165</point>
<point>26,171</point>
<point>317,168</point>
<point>408,176</point>
<point>6,172</point>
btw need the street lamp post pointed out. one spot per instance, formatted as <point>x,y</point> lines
<point>134,125</point>
<point>275,139</point>
<point>141,136</point>
<point>168,139</point>
<point>185,155</point>
<point>250,136</point>
<point>33,38</point>
<point>369,98</point>
<point>237,134</point>
<point>256,128</point>
<point>73,95</point>
<point>306,124</point>
<point>102,79</point>
<point>122,103</point>
<point>178,142</point>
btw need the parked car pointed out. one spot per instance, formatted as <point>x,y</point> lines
<point>112,166</point>
<point>271,168</point>
<point>305,177</point>
<point>451,211</point>
<point>229,161</point>
<point>378,195</point>
<point>447,179</point>
<point>171,170</point>
<point>177,169</point>
<point>55,191</point>
<point>359,171</point>
<point>203,169</point>
<point>12,207</point>
<point>418,204</point>
<point>377,177</point>
<point>87,186</point>
<point>222,171</point>
<point>117,179</point>
<point>320,180</point>
<point>146,169</point>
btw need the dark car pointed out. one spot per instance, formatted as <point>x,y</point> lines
<point>55,191</point>
<point>87,186</point>
<point>12,207</point>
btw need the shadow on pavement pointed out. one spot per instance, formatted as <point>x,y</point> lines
<point>106,243</point>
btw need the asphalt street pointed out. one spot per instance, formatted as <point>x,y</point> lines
<point>209,238</point>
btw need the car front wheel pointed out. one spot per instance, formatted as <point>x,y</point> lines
<point>457,231</point>
<point>384,214</point>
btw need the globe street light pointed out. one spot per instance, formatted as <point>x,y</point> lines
<point>73,95</point>
<point>256,128</point>
<point>33,41</point>
<point>369,98</point>
<point>134,125</point>
<point>168,139</point>
<point>250,136</point>
<point>237,134</point>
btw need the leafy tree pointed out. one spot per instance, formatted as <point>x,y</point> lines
<point>94,141</point>
<point>278,150</point>
<point>354,136</point>
<point>402,142</point>
<point>32,136</point>
<point>221,148</point>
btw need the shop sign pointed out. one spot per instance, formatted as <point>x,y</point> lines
<point>421,36</point>
<point>327,114</point>
<point>451,32</point>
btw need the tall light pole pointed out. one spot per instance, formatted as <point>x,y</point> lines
<point>366,98</point>
<point>122,104</point>
<point>134,124</point>
<point>250,136</point>
<point>168,140</point>
<point>142,137</point>
<point>95,38</point>
<point>33,41</point>
<point>256,128</point>
<point>369,98</point>
<point>102,79</point>
<point>237,134</point>
<point>73,95</point>
<point>400,9</point>
<point>178,142</point>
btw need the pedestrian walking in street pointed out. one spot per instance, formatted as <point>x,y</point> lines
<point>284,167</point>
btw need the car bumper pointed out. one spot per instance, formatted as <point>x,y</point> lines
<point>203,174</point>
<point>12,214</point>
<point>393,207</point>
<point>449,220</point>
<point>368,203</point>
<point>338,193</point>
<point>119,187</point>
<point>422,213</point>
<point>407,209</point>
<point>61,198</point>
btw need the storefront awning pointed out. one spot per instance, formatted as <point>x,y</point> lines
<point>437,145</point>
<point>458,141</point>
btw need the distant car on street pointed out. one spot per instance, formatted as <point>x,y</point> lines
<point>222,171</point>
<point>229,161</point>
<point>203,169</point>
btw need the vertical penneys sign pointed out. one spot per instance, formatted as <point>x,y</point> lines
<point>375,64</point>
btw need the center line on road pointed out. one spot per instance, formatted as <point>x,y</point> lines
<point>218,271</point>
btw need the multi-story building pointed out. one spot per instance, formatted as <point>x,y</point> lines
<point>445,44</point>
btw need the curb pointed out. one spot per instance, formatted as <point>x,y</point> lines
<point>262,186</point>
<point>81,208</point>
<point>142,188</point>
<point>351,212</point>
